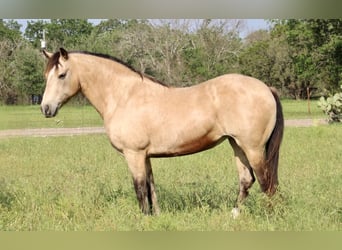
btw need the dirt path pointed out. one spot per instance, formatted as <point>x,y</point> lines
<point>304,122</point>
<point>44,132</point>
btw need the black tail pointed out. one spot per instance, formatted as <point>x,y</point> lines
<point>272,148</point>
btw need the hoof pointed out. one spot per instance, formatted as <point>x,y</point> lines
<point>235,213</point>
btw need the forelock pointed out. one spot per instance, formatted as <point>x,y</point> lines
<point>53,61</point>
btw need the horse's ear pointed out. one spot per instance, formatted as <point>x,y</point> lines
<point>48,55</point>
<point>64,53</point>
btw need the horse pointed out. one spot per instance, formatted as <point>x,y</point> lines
<point>145,118</point>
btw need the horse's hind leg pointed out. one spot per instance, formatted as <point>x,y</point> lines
<point>151,192</point>
<point>246,176</point>
<point>256,158</point>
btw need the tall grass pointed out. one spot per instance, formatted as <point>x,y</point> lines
<point>81,183</point>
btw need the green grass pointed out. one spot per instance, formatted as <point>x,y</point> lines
<point>81,183</point>
<point>294,109</point>
<point>15,117</point>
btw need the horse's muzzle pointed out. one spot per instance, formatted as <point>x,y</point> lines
<point>49,110</point>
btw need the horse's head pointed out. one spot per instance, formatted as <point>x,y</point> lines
<point>61,82</point>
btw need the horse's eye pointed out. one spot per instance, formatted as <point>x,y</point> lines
<point>62,76</point>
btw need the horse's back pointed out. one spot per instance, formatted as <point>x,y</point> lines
<point>239,84</point>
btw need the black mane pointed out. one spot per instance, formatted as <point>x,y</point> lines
<point>54,62</point>
<point>115,59</point>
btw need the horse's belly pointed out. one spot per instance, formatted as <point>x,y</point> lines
<point>184,147</point>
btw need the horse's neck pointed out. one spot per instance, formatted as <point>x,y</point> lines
<point>104,86</point>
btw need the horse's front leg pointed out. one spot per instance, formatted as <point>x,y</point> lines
<point>151,192</point>
<point>137,165</point>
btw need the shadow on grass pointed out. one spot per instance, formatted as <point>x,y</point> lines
<point>211,196</point>
<point>260,205</point>
<point>195,195</point>
<point>6,195</point>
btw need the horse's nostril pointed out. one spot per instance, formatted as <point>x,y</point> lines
<point>46,110</point>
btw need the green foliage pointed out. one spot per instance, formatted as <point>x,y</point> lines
<point>295,56</point>
<point>34,32</point>
<point>9,30</point>
<point>332,107</point>
<point>68,33</point>
<point>257,59</point>
<point>315,44</point>
<point>10,42</point>
<point>29,78</point>
<point>211,51</point>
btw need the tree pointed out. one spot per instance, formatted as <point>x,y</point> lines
<point>257,59</point>
<point>314,50</point>
<point>9,30</point>
<point>105,37</point>
<point>29,65</point>
<point>34,32</point>
<point>143,45</point>
<point>189,55</point>
<point>327,35</point>
<point>300,57</point>
<point>10,42</point>
<point>294,55</point>
<point>267,58</point>
<point>213,49</point>
<point>68,33</point>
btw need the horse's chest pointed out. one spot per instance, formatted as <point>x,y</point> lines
<point>127,135</point>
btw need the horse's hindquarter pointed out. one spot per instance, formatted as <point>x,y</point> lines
<point>246,108</point>
<point>235,105</point>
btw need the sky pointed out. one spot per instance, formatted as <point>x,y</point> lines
<point>255,24</point>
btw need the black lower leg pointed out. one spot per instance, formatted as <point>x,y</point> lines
<point>149,196</point>
<point>141,192</point>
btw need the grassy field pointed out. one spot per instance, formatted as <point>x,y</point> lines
<point>15,117</point>
<point>81,183</point>
<point>294,109</point>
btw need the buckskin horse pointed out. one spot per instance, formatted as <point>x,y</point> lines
<point>144,118</point>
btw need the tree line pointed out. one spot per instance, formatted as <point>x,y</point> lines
<point>300,58</point>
